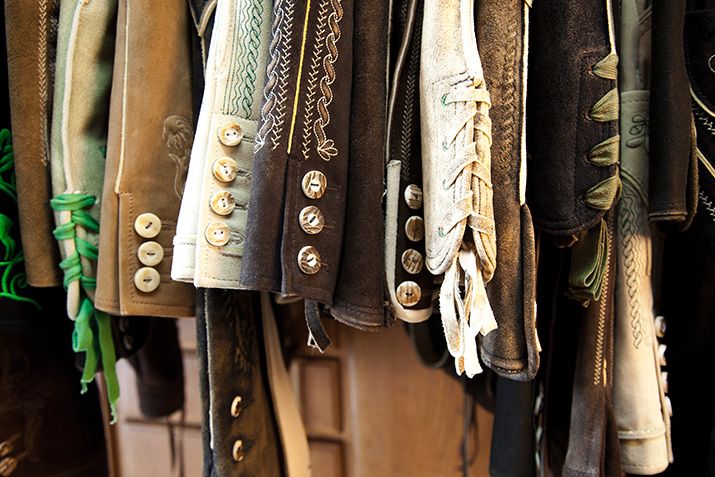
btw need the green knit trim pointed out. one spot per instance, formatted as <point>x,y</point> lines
<point>92,333</point>
<point>12,275</point>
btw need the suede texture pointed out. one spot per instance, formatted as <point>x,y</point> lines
<point>294,140</point>
<point>160,370</point>
<point>31,29</point>
<point>593,439</point>
<point>562,91</point>
<point>150,138</point>
<point>235,359</point>
<point>358,297</point>
<point>672,181</point>
<point>512,349</point>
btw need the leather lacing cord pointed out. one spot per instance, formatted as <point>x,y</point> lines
<point>465,315</point>
<point>92,330</point>
<point>588,259</point>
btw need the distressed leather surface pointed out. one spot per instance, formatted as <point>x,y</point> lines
<point>31,30</point>
<point>150,138</point>
<point>511,350</point>
<point>456,167</point>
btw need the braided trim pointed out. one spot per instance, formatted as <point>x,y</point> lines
<point>326,147</point>
<point>92,333</point>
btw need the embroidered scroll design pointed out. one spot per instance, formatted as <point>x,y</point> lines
<point>250,19</point>
<point>326,147</point>
<point>275,93</point>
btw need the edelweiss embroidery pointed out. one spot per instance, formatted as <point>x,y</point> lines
<point>178,134</point>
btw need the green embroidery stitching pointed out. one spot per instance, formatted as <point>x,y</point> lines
<point>92,334</point>
<point>13,277</point>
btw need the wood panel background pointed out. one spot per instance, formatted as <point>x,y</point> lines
<point>370,410</point>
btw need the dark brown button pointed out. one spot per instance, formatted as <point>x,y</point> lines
<point>225,169</point>
<point>230,134</point>
<point>238,452</point>
<point>314,184</point>
<point>413,196</point>
<point>311,220</point>
<point>415,228</point>
<point>412,261</point>
<point>222,202</point>
<point>309,260</point>
<point>408,293</point>
<point>236,406</point>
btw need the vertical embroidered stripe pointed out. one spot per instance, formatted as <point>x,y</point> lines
<point>300,75</point>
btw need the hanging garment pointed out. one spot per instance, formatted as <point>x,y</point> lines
<point>150,135</point>
<point>572,119</point>
<point>673,171</point>
<point>410,285</point>
<point>31,28</point>
<point>210,236</point>
<point>358,298</point>
<point>687,299</point>
<point>78,147</point>
<point>511,350</point>
<point>638,398</point>
<point>244,429</point>
<point>456,167</point>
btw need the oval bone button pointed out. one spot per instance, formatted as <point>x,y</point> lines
<point>413,196</point>
<point>311,220</point>
<point>415,228</point>
<point>217,234</point>
<point>660,326</point>
<point>408,293</point>
<point>147,279</point>
<point>222,202</point>
<point>147,225</point>
<point>661,355</point>
<point>412,261</point>
<point>309,260</point>
<point>314,184</point>
<point>238,453</point>
<point>150,253</point>
<point>230,134</point>
<point>664,381</point>
<point>236,406</point>
<point>225,169</point>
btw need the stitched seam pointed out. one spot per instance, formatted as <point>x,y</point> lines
<point>42,74</point>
